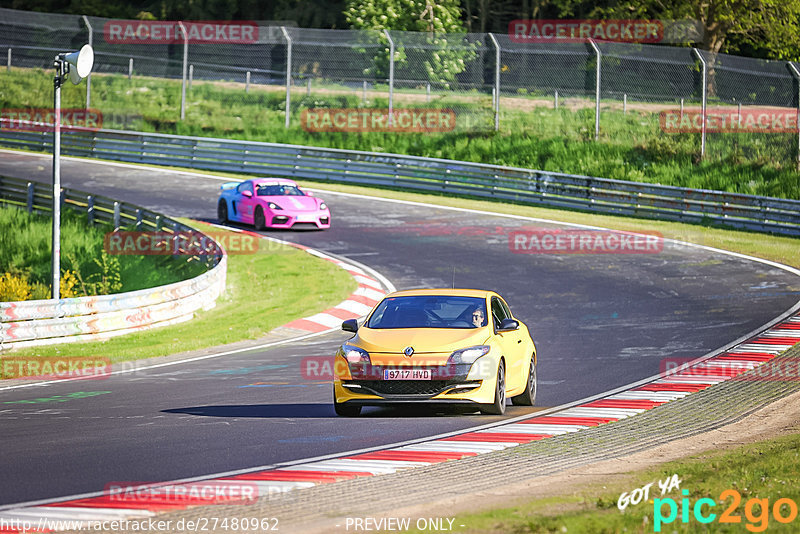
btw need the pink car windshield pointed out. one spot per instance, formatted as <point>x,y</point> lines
<point>278,190</point>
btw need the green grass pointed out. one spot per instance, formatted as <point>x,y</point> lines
<point>264,290</point>
<point>631,146</point>
<point>765,470</point>
<point>26,250</point>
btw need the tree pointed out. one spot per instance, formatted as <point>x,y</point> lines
<point>430,16</point>
<point>772,26</point>
<point>441,57</point>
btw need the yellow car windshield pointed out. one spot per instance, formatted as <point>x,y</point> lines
<point>429,311</point>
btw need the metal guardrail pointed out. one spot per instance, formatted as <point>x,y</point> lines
<point>39,322</point>
<point>601,195</point>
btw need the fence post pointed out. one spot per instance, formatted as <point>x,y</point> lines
<point>90,209</point>
<point>247,83</point>
<point>191,77</point>
<point>185,63</point>
<point>496,81</point>
<point>624,103</point>
<point>116,216</point>
<point>391,74</point>
<point>555,100</point>
<point>796,75</point>
<point>31,192</point>
<point>288,75</point>
<point>8,64</point>
<point>599,57</point>
<point>89,77</point>
<point>703,104</point>
<point>130,68</point>
<point>364,92</point>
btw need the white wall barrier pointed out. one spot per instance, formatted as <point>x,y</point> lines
<point>41,322</point>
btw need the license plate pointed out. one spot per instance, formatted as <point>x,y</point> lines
<point>306,218</point>
<point>406,374</point>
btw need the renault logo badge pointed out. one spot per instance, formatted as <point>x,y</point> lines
<point>408,351</point>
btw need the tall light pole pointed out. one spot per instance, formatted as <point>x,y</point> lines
<point>78,65</point>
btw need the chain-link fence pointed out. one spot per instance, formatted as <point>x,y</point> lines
<point>378,81</point>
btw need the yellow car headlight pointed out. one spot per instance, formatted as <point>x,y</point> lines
<point>468,355</point>
<point>355,355</point>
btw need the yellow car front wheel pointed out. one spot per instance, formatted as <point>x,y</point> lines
<point>345,409</point>
<point>498,407</point>
<point>528,397</point>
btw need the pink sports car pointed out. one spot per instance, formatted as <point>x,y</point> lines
<point>271,203</point>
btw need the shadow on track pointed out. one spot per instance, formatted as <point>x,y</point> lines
<point>308,411</point>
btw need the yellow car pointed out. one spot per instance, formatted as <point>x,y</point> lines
<point>436,345</point>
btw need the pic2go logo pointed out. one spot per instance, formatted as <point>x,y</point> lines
<point>756,511</point>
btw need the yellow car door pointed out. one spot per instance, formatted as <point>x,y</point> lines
<point>512,346</point>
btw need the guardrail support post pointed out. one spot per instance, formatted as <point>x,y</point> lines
<point>184,69</point>
<point>796,74</point>
<point>89,77</point>
<point>599,57</point>
<point>288,75</point>
<point>90,209</point>
<point>391,75</point>
<point>116,216</point>
<point>704,94</point>
<point>496,81</point>
<point>31,191</point>
<point>138,219</point>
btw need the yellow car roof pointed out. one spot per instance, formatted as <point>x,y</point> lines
<point>482,293</point>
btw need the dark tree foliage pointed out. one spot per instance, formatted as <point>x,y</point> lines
<point>303,13</point>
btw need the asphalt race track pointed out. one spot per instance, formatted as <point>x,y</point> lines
<point>599,321</point>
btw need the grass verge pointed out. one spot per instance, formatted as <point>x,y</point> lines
<point>766,471</point>
<point>26,245</point>
<point>264,290</point>
<point>632,145</point>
